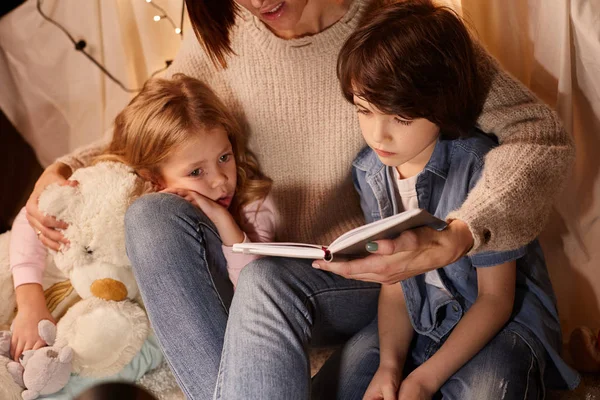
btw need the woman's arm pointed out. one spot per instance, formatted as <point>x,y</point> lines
<point>510,204</point>
<point>490,312</point>
<point>395,335</point>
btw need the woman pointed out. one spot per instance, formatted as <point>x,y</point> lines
<point>280,59</point>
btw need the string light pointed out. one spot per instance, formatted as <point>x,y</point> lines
<point>163,15</point>
<point>81,44</point>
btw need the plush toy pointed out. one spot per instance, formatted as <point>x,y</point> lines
<point>89,284</point>
<point>584,346</point>
<point>42,371</point>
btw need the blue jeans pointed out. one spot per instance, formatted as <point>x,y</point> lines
<point>505,369</point>
<point>177,260</point>
<point>281,306</point>
<point>181,271</point>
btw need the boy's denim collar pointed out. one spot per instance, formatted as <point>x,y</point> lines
<point>439,163</point>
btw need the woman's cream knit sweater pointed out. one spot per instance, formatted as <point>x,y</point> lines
<point>306,135</point>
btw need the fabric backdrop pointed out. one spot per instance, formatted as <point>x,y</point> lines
<point>58,100</point>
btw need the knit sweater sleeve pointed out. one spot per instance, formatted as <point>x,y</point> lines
<point>510,204</point>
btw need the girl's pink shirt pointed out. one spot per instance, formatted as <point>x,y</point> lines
<point>28,255</point>
<point>259,223</point>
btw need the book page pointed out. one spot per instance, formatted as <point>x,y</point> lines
<point>352,243</point>
<point>296,250</point>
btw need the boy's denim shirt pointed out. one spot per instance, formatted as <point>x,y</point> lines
<point>452,171</point>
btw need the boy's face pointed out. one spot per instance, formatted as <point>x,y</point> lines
<point>204,164</point>
<point>405,144</point>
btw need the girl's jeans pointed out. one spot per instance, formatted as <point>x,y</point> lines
<point>181,271</point>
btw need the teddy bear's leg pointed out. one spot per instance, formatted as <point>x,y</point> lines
<point>16,371</point>
<point>5,344</point>
<point>30,394</point>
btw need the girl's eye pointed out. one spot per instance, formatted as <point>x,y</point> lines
<point>403,121</point>
<point>225,157</point>
<point>196,173</point>
<point>363,111</point>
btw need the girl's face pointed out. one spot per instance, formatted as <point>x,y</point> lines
<point>204,164</point>
<point>400,143</point>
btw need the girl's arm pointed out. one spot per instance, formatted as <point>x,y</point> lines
<point>27,263</point>
<point>395,335</point>
<point>490,312</point>
<point>260,223</point>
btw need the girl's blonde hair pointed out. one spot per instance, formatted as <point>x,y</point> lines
<point>163,116</point>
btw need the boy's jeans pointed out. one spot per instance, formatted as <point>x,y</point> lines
<point>181,271</point>
<point>265,346</point>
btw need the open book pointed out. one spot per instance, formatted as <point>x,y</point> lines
<point>352,243</point>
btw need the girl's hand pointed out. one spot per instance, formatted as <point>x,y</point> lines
<point>412,253</point>
<point>46,226</point>
<point>25,335</point>
<point>228,229</point>
<point>384,385</point>
<point>211,209</point>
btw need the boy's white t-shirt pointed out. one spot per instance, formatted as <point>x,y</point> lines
<point>407,190</point>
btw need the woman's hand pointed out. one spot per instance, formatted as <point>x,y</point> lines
<point>412,253</point>
<point>32,309</point>
<point>46,226</point>
<point>384,385</point>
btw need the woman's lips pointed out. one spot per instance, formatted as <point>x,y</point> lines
<point>383,153</point>
<point>274,12</point>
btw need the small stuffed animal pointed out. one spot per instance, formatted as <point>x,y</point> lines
<point>584,347</point>
<point>43,371</point>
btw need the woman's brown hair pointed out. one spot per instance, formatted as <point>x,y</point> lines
<point>212,21</point>
<point>163,116</point>
<point>417,60</point>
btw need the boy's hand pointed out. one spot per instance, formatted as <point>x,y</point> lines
<point>25,335</point>
<point>416,386</point>
<point>384,385</point>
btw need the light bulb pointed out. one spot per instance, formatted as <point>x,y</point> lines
<point>157,18</point>
<point>148,1</point>
<point>177,31</point>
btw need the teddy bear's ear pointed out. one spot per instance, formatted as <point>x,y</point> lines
<point>58,200</point>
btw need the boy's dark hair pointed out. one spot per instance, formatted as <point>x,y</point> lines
<point>416,60</point>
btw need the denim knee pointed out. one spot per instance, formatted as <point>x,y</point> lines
<point>158,212</point>
<point>505,369</point>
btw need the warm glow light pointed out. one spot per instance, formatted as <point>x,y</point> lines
<point>148,1</point>
<point>157,18</point>
<point>177,31</point>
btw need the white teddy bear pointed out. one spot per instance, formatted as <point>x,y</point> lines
<point>107,327</point>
